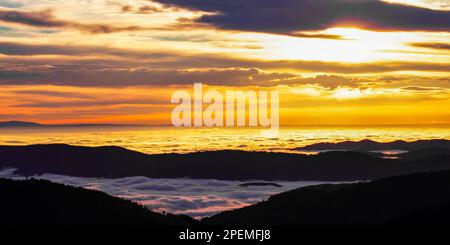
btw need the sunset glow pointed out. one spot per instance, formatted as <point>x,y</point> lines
<point>103,61</point>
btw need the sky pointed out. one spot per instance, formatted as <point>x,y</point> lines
<point>334,61</point>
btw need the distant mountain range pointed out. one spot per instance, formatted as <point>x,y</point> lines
<point>369,145</point>
<point>7,124</point>
<point>116,162</point>
<point>19,124</point>
<point>414,199</point>
<point>41,202</point>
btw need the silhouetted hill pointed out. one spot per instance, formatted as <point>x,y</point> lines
<point>369,145</point>
<point>424,153</point>
<point>115,162</point>
<point>396,199</point>
<point>19,124</point>
<point>33,124</point>
<point>260,184</point>
<point>42,202</point>
<point>430,216</point>
<point>69,160</point>
<point>414,199</point>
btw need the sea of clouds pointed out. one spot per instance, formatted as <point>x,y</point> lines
<point>198,198</point>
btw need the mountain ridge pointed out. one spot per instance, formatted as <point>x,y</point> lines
<point>19,124</point>
<point>370,145</point>
<point>57,204</point>
<point>117,162</point>
<point>422,198</point>
<point>7,124</point>
<point>406,199</point>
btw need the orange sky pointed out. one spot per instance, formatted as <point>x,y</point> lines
<point>116,61</point>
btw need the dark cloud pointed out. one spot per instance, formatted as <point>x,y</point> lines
<point>318,36</point>
<point>146,9</point>
<point>93,73</point>
<point>46,19</point>
<point>330,81</point>
<point>413,88</point>
<point>212,40</point>
<point>289,16</point>
<point>88,75</point>
<point>437,46</point>
<point>126,8</point>
<point>22,49</point>
<point>30,64</point>
<point>38,19</point>
<point>54,94</point>
<point>107,76</point>
<point>82,104</point>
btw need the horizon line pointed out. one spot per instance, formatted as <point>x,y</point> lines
<point>37,124</point>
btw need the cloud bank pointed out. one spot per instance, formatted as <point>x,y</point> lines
<point>30,64</point>
<point>288,16</point>
<point>46,19</point>
<point>196,198</point>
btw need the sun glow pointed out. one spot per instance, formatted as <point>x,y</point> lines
<point>346,93</point>
<point>354,45</point>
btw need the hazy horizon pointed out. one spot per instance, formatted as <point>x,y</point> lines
<point>168,139</point>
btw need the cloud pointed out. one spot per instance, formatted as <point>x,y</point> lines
<point>146,9</point>
<point>23,49</point>
<point>38,19</point>
<point>10,4</point>
<point>94,74</point>
<point>436,46</point>
<point>111,67</point>
<point>318,36</point>
<point>87,103</point>
<point>198,198</point>
<point>423,89</point>
<point>289,16</point>
<point>109,76</point>
<point>46,19</point>
<point>41,92</point>
<point>411,83</point>
<point>330,81</point>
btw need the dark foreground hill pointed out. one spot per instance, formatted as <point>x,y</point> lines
<point>42,202</point>
<point>419,198</point>
<point>115,162</point>
<point>414,199</point>
<point>429,216</point>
